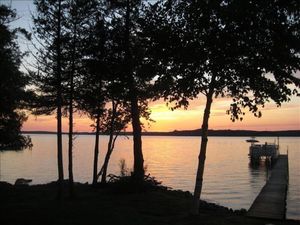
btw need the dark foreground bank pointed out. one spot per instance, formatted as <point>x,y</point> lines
<point>22,205</point>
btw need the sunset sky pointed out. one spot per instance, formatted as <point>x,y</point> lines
<point>287,117</point>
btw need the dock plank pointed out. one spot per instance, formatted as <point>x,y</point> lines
<point>271,201</point>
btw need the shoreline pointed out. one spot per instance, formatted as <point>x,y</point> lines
<point>211,133</point>
<point>37,205</point>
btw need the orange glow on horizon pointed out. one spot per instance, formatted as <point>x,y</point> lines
<point>287,117</point>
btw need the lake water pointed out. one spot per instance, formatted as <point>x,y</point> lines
<point>228,178</point>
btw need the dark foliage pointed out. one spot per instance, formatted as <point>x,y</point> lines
<point>13,96</point>
<point>128,184</point>
<point>50,79</point>
<point>244,50</point>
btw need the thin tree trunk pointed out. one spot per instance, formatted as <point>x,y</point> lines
<point>202,155</point>
<point>106,160</point>
<point>59,150</point>
<point>59,108</point>
<point>96,150</point>
<point>104,167</point>
<point>71,178</point>
<point>110,143</point>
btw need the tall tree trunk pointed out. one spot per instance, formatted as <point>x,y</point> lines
<point>96,150</point>
<point>72,73</point>
<point>138,165</point>
<point>59,149</point>
<point>59,108</point>
<point>71,179</point>
<point>202,155</point>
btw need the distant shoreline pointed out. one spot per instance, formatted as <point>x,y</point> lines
<point>224,133</point>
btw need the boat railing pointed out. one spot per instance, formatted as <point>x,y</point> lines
<point>267,150</point>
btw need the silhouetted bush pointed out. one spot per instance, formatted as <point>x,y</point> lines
<point>128,184</point>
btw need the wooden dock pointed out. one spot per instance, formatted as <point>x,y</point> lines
<point>271,201</point>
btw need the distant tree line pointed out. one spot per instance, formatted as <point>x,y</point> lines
<point>107,59</point>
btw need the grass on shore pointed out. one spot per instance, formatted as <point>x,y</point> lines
<point>30,205</point>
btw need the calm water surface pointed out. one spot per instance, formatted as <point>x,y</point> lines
<point>228,178</point>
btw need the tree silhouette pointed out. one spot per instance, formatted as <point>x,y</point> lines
<point>114,120</point>
<point>107,82</point>
<point>248,51</point>
<point>80,16</point>
<point>92,102</point>
<point>132,69</point>
<point>13,94</point>
<point>51,78</point>
<point>93,87</point>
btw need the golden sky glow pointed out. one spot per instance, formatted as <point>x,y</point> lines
<point>284,118</point>
<point>287,117</point>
